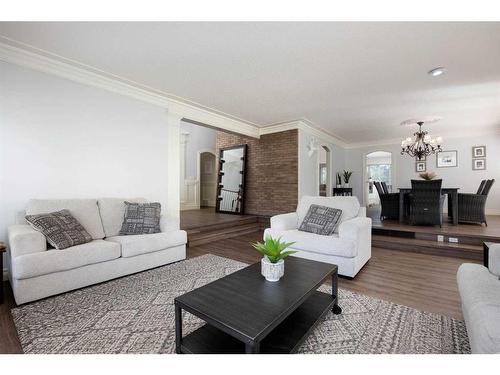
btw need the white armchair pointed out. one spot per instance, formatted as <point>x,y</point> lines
<point>349,247</point>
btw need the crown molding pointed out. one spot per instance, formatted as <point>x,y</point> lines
<point>454,135</point>
<point>306,126</point>
<point>30,57</point>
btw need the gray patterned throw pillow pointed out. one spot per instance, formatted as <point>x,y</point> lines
<point>141,218</point>
<point>60,228</point>
<point>321,220</point>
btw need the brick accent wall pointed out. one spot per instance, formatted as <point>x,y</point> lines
<point>272,171</point>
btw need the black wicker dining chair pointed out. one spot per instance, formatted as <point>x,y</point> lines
<point>426,202</point>
<point>472,207</point>
<point>388,201</point>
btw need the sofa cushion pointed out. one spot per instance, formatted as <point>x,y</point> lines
<point>321,220</point>
<point>60,228</point>
<point>480,295</point>
<point>327,245</point>
<point>141,218</point>
<point>349,206</point>
<point>84,210</point>
<point>133,245</point>
<point>50,261</point>
<point>112,212</point>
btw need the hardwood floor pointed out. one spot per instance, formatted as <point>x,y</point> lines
<point>425,282</point>
<point>9,343</point>
<point>206,216</point>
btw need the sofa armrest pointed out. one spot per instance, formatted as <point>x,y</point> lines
<point>362,212</point>
<point>356,229</point>
<point>494,259</point>
<point>168,224</point>
<point>23,239</point>
<point>285,221</point>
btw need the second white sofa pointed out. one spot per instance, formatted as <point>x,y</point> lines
<point>37,272</point>
<point>350,247</point>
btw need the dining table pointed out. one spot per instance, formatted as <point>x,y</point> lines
<point>452,194</point>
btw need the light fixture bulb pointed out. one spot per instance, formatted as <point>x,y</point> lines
<point>436,72</point>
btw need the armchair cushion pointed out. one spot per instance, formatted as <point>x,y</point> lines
<point>321,220</point>
<point>311,242</point>
<point>23,239</point>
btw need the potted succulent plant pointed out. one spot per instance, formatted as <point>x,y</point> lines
<point>339,180</point>
<point>273,250</point>
<point>347,177</point>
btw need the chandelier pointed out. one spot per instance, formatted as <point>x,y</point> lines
<point>422,144</point>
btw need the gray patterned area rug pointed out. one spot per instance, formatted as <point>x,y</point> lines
<point>135,314</point>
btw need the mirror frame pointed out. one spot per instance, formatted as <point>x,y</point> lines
<point>220,173</point>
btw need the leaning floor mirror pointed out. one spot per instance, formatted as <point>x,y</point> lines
<point>231,180</point>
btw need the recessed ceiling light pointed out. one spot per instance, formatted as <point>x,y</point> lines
<point>437,71</point>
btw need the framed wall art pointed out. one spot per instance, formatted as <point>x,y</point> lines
<point>447,159</point>
<point>478,164</point>
<point>479,151</point>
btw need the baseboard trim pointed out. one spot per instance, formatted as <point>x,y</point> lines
<point>189,206</point>
<point>492,211</point>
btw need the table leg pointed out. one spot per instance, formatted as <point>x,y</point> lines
<point>252,348</point>
<point>178,328</point>
<point>401,206</point>
<point>335,293</point>
<point>454,198</point>
<point>450,206</point>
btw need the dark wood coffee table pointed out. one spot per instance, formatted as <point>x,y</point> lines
<point>247,314</point>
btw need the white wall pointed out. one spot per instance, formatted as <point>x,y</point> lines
<point>200,138</point>
<point>60,139</point>
<point>308,165</point>
<point>462,176</point>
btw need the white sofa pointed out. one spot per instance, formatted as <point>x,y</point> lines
<point>479,288</point>
<point>38,272</point>
<point>349,247</point>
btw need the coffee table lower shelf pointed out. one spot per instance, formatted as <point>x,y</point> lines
<point>285,338</point>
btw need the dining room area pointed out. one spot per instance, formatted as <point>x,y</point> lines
<point>429,194</point>
<point>429,217</point>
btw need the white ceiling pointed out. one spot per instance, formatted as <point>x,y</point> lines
<point>357,81</point>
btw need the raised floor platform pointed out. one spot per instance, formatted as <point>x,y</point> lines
<point>205,225</point>
<point>461,241</point>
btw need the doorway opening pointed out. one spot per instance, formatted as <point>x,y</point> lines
<point>198,168</point>
<point>207,175</point>
<point>378,169</point>
<point>325,170</point>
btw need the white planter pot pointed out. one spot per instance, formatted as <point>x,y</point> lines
<point>272,271</point>
<point>347,185</point>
